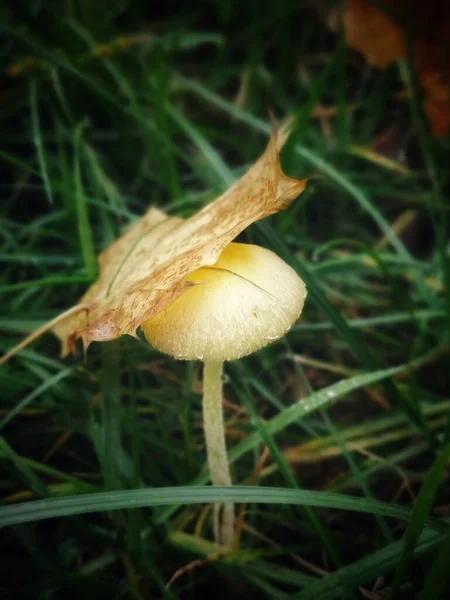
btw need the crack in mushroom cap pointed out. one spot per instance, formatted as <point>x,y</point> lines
<point>247,299</point>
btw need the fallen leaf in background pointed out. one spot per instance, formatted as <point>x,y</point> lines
<point>371,32</point>
<point>381,37</point>
<point>146,269</point>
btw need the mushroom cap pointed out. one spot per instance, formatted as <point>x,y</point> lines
<point>247,299</point>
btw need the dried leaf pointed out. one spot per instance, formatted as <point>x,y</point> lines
<point>146,269</point>
<point>381,37</point>
<point>370,31</point>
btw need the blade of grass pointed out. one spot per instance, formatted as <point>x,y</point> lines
<point>57,59</point>
<point>34,335</point>
<point>294,413</point>
<point>110,381</point>
<point>37,138</point>
<point>359,349</point>
<point>30,479</point>
<point>47,281</point>
<point>341,443</point>
<point>106,501</point>
<point>364,570</point>
<point>284,469</point>
<point>320,299</point>
<point>354,469</point>
<point>27,168</point>
<point>47,384</point>
<point>201,143</point>
<point>381,320</point>
<point>438,575</point>
<point>313,159</point>
<point>84,228</point>
<point>419,516</point>
<point>437,199</point>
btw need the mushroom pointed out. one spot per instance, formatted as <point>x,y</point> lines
<point>247,299</point>
<point>195,293</point>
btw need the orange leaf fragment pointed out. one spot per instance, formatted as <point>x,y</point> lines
<point>146,269</point>
<point>381,37</point>
<point>370,31</point>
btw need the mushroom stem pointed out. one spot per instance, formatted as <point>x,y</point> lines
<point>216,449</point>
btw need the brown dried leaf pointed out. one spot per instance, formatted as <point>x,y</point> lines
<point>381,37</point>
<point>146,269</point>
<point>370,31</point>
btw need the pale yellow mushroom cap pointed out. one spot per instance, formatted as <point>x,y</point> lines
<point>247,299</point>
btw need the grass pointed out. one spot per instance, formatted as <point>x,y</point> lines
<point>338,435</point>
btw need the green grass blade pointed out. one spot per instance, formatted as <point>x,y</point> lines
<point>312,403</point>
<point>106,501</point>
<point>47,384</point>
<point>216,163</point>
<point>364,570</point>
<point>437,577</point>
<point>56,59</point>
<point>317,295</point>
<point>294,413</point>
<point>312,158</point>
<point>381,320</point>
<point>30,479</point>
<point>84,227</point>
<point>47,281</point>
<point>316,525</point>
<point>354,469</point>
<point>27,168</point>
<point>437,199</point>
<point>111,414</point>
<point>37,138</point>
<point>419,516</point>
